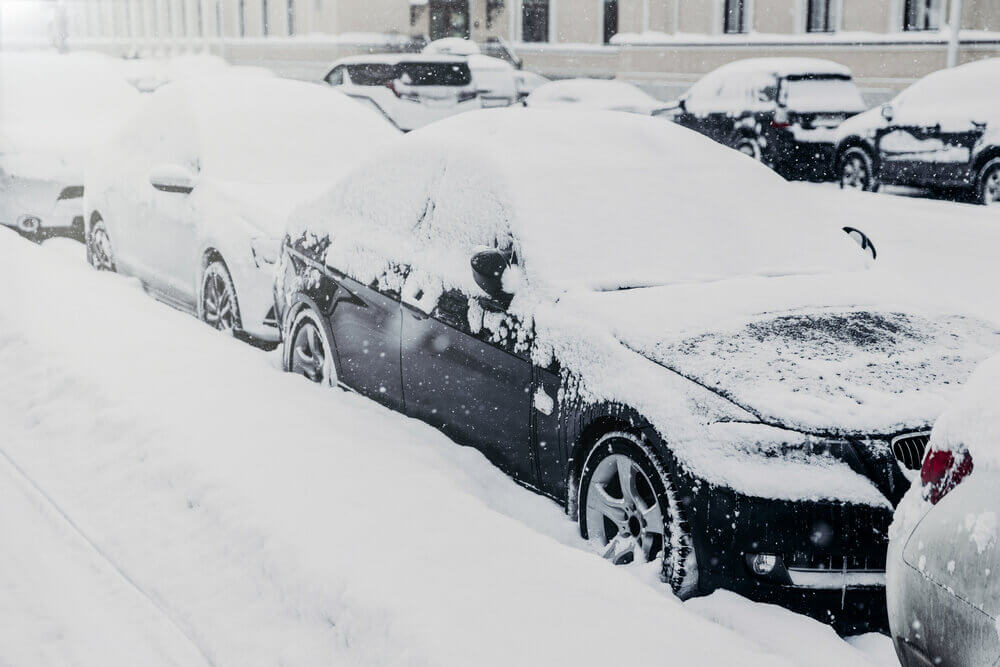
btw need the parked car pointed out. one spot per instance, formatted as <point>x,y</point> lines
<point>941,132</point>
<point>944,558</point>
<point>409,90</point>
<point>604,94</point>
<point>496,80</point>
<point>716,388</point>
<point>781,111</point>
<point>190,197</point>
<point>54,109</point>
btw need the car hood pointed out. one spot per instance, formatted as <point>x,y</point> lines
<point>802,353</point>
<point>860,124</point>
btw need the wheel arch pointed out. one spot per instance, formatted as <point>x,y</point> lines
<point>855,142</point>
<point>984,157</point>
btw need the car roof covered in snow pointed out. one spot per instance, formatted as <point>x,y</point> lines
<point>397,58</point>
<point>782,67</point>
<point>596,200</point>
<point>963,91</point>
<point>601,93</point>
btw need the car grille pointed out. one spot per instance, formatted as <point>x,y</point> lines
<point>855,562</point>
<point>909,449</point>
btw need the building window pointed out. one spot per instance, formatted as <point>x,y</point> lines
<point>734,16</point>
<point>291,17</point>
<point>243,18</point>
<point>493,8</point>
<point>265,24</point>
<point>610,19</point>
<point>449,18</point>
<point>819,16</point>
<point>922,15</point>
<point>535,20</point>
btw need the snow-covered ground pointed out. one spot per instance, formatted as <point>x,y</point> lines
<point>170,497</point>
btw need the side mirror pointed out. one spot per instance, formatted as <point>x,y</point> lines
<point>488,268</point>
<point>172,178</point>
<point>862,240</point>
<point>888,112</point>
<point>682,104</point>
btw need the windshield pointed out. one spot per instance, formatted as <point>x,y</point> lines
<point>821,94</point>
<point>435,74</point>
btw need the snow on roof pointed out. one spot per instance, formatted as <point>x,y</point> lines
<point>453,46</point>
<point>972,87</point>
<point>596,93</point>
<point>396,58</point>
<point>782,67</point>
<point>597,200</point>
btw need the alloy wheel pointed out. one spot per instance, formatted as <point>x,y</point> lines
<point>99,245</point>
<point>854,173</point>
<point>218,299</point>
<point>624,518</point>
<point>309,352</point>
<point>991,187</point>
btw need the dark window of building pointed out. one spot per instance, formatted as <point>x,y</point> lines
<point>734,18</point>
<point>818,19</point>
<point>265,24</point>
<point>291,17</point>
<point>243,18</point>
<point>218,18</point>
<point>610,19</point>
<point>199,18</point>
<point>922,15</point>
<point>493,8</point>
<point>449,18</point>
<point>535,20</point>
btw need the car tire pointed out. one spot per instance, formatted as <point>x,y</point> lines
<point>217,303</point>
<point>989,183</point>
<point>856,171</point>
<point>641,518</point>
<point>100,253</point>
<point>749,147</point>
<point>308,351</point>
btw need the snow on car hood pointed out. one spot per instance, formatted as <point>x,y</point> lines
<point>798,353</point>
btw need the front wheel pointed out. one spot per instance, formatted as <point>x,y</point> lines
<point>857,171</point>
<point>989,183</point>
<point>307,349</point>
<point>99,252</point>
<point>217,305</point>
<point>749,147</point>
<point>629,510</point>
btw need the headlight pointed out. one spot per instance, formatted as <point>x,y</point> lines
<point>265,252</point>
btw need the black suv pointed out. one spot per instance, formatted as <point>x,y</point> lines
<point>781,111</point>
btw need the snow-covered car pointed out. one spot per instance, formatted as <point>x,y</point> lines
<point>191,196</point>
<point>609,95</point>
<point>411,90</point>
<point>943,578</point>
<point>782,111</point>
<point>499,83</point>
<point>941,132</point>
<point>715,384</point>
<point>54,109</point>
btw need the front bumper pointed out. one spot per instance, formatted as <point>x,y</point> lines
<point>795,159</point>
<point>830,556</point>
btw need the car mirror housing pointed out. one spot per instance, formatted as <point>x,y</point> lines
<point>488,268</point>
<point>172,178</point>
<point>862,240</point>
<point>888,112</point>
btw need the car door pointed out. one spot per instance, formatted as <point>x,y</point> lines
<point>465,373</point>
<point>366,326</point>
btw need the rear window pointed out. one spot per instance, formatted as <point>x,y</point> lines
<point>371,74</point>
<point>435,74</point>
<point>821,94</point>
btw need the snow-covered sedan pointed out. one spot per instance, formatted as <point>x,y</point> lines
<point>410,90</point>
<point>943,578</point>
<point>941,132</point>
<point>54,109</point>
<point>191,196</point>
<point>714,383</point>
<point>592,94</point>
<point>781,111</point>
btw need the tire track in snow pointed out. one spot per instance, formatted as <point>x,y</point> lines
<point>196,653</point>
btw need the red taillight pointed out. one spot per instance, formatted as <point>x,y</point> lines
<point>780,125</point>
<point>392,86</point>
<point>942,471</point>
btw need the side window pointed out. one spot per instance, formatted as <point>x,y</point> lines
<point>484,319</point>
<point>336,77</point>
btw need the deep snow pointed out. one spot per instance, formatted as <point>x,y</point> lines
<point>271,521</point>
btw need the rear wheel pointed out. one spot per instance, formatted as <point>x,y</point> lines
<point>857,171</point>
<point>989,183</point>
<point>629,510</point>
<point>218,306</point>
<point>308,352</point>
<point>748,147</point>
<point>99,252</point>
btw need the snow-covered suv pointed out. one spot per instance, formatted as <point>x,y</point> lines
<point>941,132</point>
<point>716,390</point>
<point>781,111</point>
<point>410,90</point>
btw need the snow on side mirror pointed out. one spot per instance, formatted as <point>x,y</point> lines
<point>488,268</point>
<point>888,112</point>
<point>862,240</point>
<point>172,178</point>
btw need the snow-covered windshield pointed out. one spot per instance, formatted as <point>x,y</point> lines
<point>821,94</point>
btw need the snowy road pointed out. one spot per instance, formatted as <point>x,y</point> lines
<point>177,499</point>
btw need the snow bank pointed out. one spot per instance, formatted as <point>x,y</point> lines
<point>278,522</point>
<point>593,94</point>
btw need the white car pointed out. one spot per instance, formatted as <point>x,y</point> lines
<point>499,83</point>
<point>411,90</point>
<point>603,94</point>
<point>54,109</point>
<point>192,194</point>
<point>943,571</point>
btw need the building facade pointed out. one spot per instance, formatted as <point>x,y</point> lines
<point>660,43</point>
